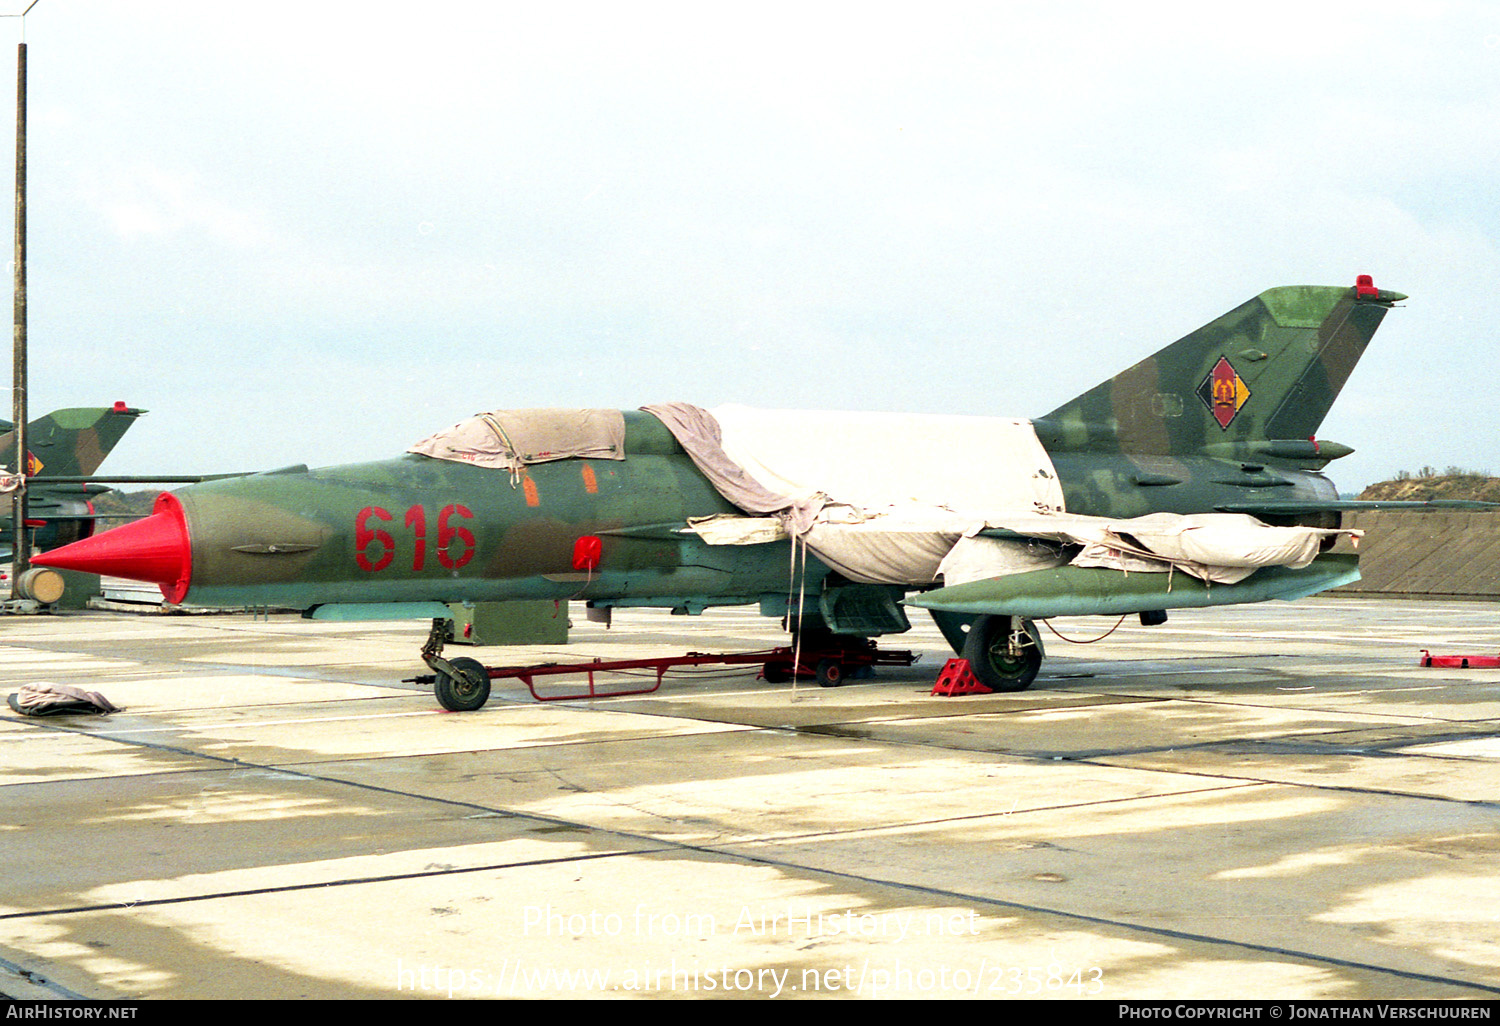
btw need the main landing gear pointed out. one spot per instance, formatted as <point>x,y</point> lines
<point>1005,652</point>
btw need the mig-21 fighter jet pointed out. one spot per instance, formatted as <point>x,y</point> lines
<point>1194,478</point>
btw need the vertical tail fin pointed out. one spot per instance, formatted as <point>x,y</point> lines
<point>72,442</point>
<point>1267,370</point>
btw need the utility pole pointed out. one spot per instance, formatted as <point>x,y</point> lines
<point>20,542</point>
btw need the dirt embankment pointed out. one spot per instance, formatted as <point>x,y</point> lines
<point>1435,486</point>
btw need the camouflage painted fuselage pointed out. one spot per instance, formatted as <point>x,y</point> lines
<point>420,529</point>
<point>417,529</point>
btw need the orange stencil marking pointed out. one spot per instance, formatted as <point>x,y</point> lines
<point>590,482</point>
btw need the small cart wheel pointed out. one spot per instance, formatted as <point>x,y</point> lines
<point>469,691</point>
<point>830,673</point>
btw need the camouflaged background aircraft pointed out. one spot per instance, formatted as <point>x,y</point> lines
<point>1222,421</point>
<point>65,447</point>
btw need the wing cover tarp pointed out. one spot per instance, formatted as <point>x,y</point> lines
<point>1221,548</point>
<point>906,499</point>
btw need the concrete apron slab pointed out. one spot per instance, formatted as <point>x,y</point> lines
<point>266,883</point>
<point>678,924</point>
<point>380,848</point>
<point>1193,854</point>
<point>1252,866</point>
<point>399,726</point>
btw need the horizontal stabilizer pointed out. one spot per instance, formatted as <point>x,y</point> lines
<point>1098,591</point>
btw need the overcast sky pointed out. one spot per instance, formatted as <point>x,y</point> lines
<point>316,232</point>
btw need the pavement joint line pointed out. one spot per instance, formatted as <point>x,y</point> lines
<point>241,725</point>
<point>114,906</point>
<point>1098,757</point>
<point>1226,703</point>
<point>36,979</point>
<point>1479,803</point>
<point>111,735</point>
<point>119,737</point>
<point>1108,672</point>
<point>1309,636</point>
<point>1101,757</point>
<point>1384,691</point>
<point>813,835</point>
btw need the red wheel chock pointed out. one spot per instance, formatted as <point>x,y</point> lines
<point>1460,662</point>
<point>958,679</point>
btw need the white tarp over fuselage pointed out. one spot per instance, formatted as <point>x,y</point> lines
<point>902,488</point>
<point>880,497</point>
<point>875,461</point>
<point>903,499</point>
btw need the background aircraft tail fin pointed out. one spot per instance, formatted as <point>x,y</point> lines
<point>1267,370</point>
<point>72,442</point>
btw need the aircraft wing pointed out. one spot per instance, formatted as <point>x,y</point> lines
<point>1094,591</point>
<point>1038,565</point>
<point>136,478</point>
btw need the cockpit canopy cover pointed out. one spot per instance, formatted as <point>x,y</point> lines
<point>511,439</point>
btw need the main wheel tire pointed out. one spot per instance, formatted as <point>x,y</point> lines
<point>469,691</point>
<point>830,673</point>
<point>989,652</point>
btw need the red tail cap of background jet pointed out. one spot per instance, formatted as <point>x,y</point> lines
<point>156,549</point>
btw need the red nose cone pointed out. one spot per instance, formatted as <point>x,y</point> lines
<point>156,549</point>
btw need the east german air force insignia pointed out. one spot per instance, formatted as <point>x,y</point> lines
<point>1224,392</point>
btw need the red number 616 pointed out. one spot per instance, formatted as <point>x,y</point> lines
<point>374,548</point>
